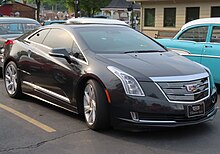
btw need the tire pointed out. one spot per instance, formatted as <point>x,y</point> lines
<point>12,80</point>
<point>95,106</point>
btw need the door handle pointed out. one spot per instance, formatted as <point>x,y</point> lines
<point>208,46</point>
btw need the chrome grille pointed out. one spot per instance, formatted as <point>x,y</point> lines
<point>186,90</point>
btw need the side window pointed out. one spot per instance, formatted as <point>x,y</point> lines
<point>216,34</point>
<point>76,52</point>
<point>39,36</point>
<point>58,38</point>
<point>197,34</point>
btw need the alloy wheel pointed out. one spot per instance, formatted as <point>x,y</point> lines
<point>11,79</point>
<point>89,104</point>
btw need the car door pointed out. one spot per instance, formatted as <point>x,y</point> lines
<point>211,53</point>
<point>55,80</point>
<point>28,63</point>
<point>192,41</point>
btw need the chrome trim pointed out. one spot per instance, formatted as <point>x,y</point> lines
<point>152,121</point>
<point>48,102</point>
<point>57,54</point>
<point>189,94</point>
<point>193,55</point>
<point>148,121</point>
<point>25,72</point>
<point>210,56</point>
<point>184,102</point>
<point>47,91</point>
<point>177,49</point>
<point>179,78</point>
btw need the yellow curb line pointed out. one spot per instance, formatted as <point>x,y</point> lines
<point>28,119</point>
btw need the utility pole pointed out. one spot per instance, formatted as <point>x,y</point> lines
<point>131,14</point>
<point>76,3</point>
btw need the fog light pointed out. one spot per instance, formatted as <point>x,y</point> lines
<point>214,98</point>
<point>134,116</point>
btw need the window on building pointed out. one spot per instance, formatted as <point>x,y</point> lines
<point>197,34</point>
<point>192,13</point>
<point>215,11</point>
<point>149,17</point>
<point>169,17</point>
<point>216,34</point>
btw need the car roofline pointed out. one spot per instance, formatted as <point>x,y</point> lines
<point>201,22</point>
<point>101,21</point>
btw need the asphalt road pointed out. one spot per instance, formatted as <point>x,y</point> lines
<point>31,126</point>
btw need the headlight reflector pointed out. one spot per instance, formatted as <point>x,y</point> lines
<point>130,84</point>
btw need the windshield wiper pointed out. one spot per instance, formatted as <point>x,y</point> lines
<point>144,51</point>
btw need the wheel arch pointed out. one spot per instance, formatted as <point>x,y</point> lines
<point>80,88</point>
<point>6,62</point>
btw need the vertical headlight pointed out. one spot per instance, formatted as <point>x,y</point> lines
<point>130,84</point>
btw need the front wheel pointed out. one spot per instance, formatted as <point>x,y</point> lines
<point>95,106</point>
<point>12,80</point>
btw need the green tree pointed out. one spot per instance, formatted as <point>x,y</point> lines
<point>88,7</point>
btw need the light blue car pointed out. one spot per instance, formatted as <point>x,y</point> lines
<point>199,40</point>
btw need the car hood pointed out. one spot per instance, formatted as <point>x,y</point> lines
<point>159,64</point>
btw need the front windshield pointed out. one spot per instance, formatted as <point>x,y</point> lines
<point>16,28</point>
<point>116,39</point>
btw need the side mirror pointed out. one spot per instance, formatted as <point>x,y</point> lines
<point>62,53</point>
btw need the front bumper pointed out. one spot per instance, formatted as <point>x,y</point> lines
<point>129,123</point>
<point>147,111</point>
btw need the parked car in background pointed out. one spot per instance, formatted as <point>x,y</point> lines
<point>12,27</point>
<point>50,22</point>
<point>199,40</point>
<point>111,73</point>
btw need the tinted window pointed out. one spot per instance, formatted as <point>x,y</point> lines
<point>216,34</point>
<point>149,17</point>
<point>169,17</point>
<point>215,11</point>
<point>39,36</point>
<point>112,39</point>
<point>197,34</point>
<point>58,38</point>
<point>76,52</point>
<point>16,28</point>
<point>192,13</point>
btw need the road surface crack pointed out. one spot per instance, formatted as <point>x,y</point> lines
<point>33,146</point>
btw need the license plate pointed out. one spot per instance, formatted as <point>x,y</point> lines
<point>196,110</point>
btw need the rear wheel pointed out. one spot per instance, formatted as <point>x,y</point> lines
<point>95,106</point>
<point>12,80</point>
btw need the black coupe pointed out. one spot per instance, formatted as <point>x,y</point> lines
<point>111,73</point>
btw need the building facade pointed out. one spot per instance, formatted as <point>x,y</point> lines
<point>164,18</point>
<point>17,9</point>
<point>119,9</point>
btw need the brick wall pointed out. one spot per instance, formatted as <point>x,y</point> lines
<point>24,10</point>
